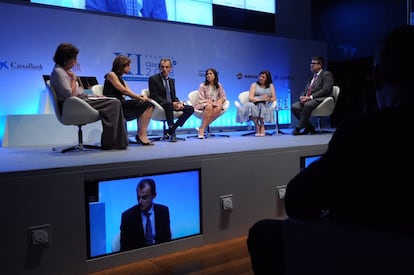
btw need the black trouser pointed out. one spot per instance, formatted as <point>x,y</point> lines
<point>169,115</point>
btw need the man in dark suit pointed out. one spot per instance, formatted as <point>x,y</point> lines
<point>145,8</point>
<point>158,85</point>
<point>317,89</point>
<point>362,177</point>
<point>145,215</point>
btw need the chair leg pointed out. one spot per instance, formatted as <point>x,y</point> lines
<point>164,134</point>
<point>80,146</point>
<point>252,133</point>
<point>130,141</point>
<point>193,136</point>
<point>319,125</point>
<point>214,135</point>
<point>208,134</point>
<point>277,130</point>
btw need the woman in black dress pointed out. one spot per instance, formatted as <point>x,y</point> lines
<point>137,106</point>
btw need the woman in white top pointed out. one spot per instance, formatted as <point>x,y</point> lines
<point>211,99</point>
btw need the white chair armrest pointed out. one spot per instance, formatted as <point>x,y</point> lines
<point>75,108</point>
<point>238,104</point>
<point>97,89</point>
<point>226,104</point>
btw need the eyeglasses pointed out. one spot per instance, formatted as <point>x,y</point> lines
<point>313,63</point>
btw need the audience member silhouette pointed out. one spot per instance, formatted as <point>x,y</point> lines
<point>362,177</point>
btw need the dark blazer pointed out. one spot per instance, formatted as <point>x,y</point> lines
<point>132,231</point>
<point>150,8</point>
<point>364,176</point>
<point>322,88</point>
<point>158,91</point>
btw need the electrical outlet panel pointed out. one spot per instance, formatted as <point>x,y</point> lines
<point>227,202</point>
<point>281,191</point>
<point>39,235</point>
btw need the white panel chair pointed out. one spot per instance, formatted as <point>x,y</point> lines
<point>243,99</point>
<point>97,89</point>
<point>326,108</point>
<point>158,114</point>
<point>74,111</point>
<point>193,100</point>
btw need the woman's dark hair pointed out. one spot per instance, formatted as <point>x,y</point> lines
<point>216,80</point>
<point>64,52</point>
<point>268,78</point>
<point>119,63</point>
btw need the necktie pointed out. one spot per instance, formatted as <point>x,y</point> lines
<point>148,229</point>
<point>132,7</point>
<point>309,92</point>
<point>167,90</point>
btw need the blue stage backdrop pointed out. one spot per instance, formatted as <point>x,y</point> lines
<point>32,33</point>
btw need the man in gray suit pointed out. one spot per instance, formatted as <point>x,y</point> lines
<point>317,89</point>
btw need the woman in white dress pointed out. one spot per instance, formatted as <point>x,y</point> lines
<point>259,109</point>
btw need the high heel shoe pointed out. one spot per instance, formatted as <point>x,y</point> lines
<point>200,133</point>
<point>143,143</point>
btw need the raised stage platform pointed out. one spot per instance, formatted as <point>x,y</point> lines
<point>41,187</point>
<point>40,157</point>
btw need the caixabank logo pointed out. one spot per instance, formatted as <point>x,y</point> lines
<point>145,65</point>
<point>3,65</point>
<point>15,65</point>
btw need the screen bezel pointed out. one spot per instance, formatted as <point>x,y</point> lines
<point>92,196</point>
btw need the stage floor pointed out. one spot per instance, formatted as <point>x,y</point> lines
<point>43,157</point>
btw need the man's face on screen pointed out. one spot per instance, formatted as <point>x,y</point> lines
<point>145,198</point>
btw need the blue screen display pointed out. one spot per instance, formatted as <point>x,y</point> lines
<point>307,160</point>
<point>198,12</point>
<point>180,191</point>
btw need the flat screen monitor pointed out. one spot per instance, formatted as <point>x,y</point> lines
<point>236,14</point>
<point>107,199</point>
<point>305,161</point>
